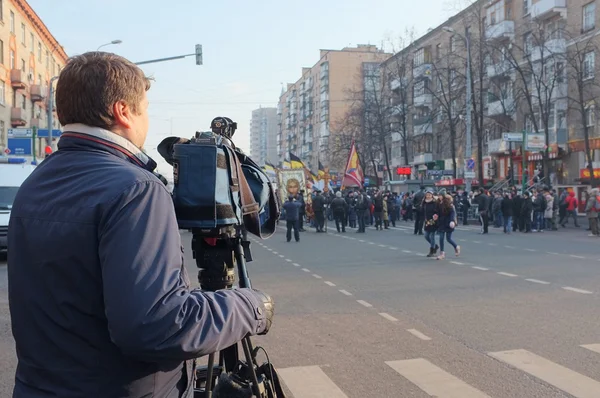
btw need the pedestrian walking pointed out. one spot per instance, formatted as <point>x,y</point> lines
<point>292,218</point>
<point>447,220</point>
<point>430,209</point>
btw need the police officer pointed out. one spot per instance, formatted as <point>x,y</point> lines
<point>100,301</point>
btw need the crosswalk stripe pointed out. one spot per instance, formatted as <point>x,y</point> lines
<point>433,380</point>
<point>565,379</point>
<point>310,382</point>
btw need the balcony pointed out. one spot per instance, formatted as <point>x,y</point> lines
<point>545,9</point>
<point>398,110</point>
<point>36,122</point>
<point>501,30</point>
<point>423,158</point>
<point>420,129</point>
<point>395,84</point>
<point>552,47</point>
<point>18,117</point>
<point>501,108</point>
<point>423,70</point>
<point>423,100</point>
<point>17,79</point>
<point>499,69</point>
<point>38,92</point>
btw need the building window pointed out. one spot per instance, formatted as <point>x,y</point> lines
<point>590,115</point>
<point>40,79</point>
<point>32,41</point>
<point>525,7</point>
<point>589,16</point>
<point>12,22</point>
<point>2,92</point>
<point>1,10</point>
<point>53,67</point>
<point>419,57</point>
<point>47,60</point>
<point>23,102</point>
<point>1,52</point>
<point>12,59</point>
<point>23,34</point>
<point>589,65</point>
<point>2,132</point>
<point>39,52</point>
<point>23,65</point>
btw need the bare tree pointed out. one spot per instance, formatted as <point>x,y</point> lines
<point>583,75</point>
<point>447,90</point>
<point>397,83</point>
<point>539,66</point>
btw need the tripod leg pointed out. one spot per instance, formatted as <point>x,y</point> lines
<point>209,376</point>
<point>251,361</point>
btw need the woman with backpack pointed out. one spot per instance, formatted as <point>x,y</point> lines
<point>446,224</point>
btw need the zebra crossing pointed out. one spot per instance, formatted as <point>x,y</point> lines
<point>313,382</point>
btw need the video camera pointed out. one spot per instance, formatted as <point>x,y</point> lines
<point>220,195</point>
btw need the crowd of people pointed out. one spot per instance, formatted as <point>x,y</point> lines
<point>438,213</point>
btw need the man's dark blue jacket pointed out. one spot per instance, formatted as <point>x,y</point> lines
<point>100,301</point>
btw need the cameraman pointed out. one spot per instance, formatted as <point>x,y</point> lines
<point>100,300</point>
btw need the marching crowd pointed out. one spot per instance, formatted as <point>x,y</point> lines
<point>438,213</point>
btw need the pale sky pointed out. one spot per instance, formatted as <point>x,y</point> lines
<point>250,47</point>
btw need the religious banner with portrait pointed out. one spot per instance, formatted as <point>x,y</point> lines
<point>291,182</point>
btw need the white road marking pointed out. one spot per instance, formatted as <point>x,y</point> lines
<point>530,250</point>
<point>388,317</point>
<point>364,303</point>
<point>574,289</point>
<point>481,268</point>
<point>507,274</point>
<point>288,260</point>
<point>392,248</point>
<point>305,270</point>
<point>492,244</point>
<point>296,265</point>
<point>381,245</point>
<point>371,243</point>
<point>418,334</point>
<point>565,379</point>
<point>281,255</point>
<point>457,263</point>
<point>362,241</point>
<point>329,283</point>
<point>317,276</point>
<point>347,293</point>
<point>462,240</point>
<point>574,256</point>
<point>433,380</point>
<point>556,254</point>
<point>420,254</point>
<point>538,281</point>
<point>476,241</point>
<point>275,253</point>
<point>509,247</point>
<point>592,347</point>
<point>310,382</point>
<point>406,251</point>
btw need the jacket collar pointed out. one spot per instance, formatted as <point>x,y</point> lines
<point>82,136</point>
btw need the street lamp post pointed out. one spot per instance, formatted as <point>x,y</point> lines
<point>108,44</point>
<point>469,106</point>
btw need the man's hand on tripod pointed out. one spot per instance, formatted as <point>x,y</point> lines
<point>268,308</point>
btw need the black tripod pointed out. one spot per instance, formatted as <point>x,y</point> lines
<point>216,253</point>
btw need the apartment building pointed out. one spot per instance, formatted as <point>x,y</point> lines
<point>312,110</point>
<point>263,135</point>
<point>521,54</point>
<point>29,58</point>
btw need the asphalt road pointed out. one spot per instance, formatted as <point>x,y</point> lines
<point>368,315</point>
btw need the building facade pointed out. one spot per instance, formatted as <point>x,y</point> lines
<point>532,68</point>
<point>263,135</point>
<point>312,110</point>
<point>29,58</point>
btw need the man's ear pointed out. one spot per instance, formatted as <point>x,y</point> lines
<point>122,114</point>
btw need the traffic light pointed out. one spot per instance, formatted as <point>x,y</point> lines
<point>198,54</point>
